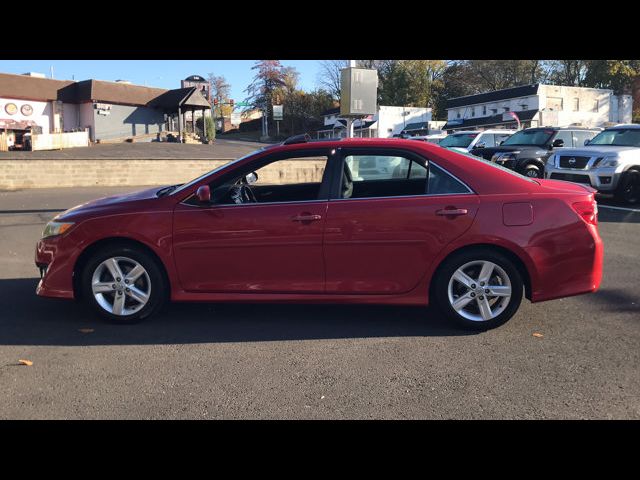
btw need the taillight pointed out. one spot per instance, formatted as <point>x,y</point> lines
<point>588,211</point>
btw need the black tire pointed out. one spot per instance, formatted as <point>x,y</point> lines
<point>532,171</point>
<point>158,286</point>
<point>628,190</point>
<point>453,263</point>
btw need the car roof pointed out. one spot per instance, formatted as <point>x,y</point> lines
<point>632,126</point>
<point>591,129</point>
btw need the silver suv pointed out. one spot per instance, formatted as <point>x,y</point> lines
<point>609,162</point>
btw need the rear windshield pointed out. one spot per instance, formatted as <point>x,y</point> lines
<point>529,137</point>
<point>494,165</point>
<point>458,140</point>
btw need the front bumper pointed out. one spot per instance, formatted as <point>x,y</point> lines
<point>602,179</point>
<point>56,269</point>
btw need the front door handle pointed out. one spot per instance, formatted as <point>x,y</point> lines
<point>306,217</point>
<point>452,212</point>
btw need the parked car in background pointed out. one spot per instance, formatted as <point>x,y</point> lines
<point>295,222</point>
<point>527,151</point>
<point>468,140</point>
<point>435,138</point>
<point>609,162</point>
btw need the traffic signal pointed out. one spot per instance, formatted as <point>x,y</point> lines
<point>215,102</point>
<point>231,102</point>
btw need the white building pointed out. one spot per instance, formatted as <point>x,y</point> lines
<point>539,105</point>
<point>387,122</point>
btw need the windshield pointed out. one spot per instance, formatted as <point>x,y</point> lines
<point>494,165</point>
<point>458,140</point>
<point>619,137</point>
<point>193,182</point>
<point>529,137</point>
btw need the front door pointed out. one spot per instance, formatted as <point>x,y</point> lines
<point>267,239</point>
<point>393,217</point>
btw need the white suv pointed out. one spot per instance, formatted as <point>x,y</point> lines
<point>609,162</point>
<point>468,140</point>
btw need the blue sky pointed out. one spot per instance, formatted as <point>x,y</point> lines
<point>159,73</point>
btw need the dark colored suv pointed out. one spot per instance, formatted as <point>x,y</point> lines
<point>527,151</point>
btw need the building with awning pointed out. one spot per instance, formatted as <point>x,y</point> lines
<point>107,111</point>
<point>538,105</point>
<point>387,122</point>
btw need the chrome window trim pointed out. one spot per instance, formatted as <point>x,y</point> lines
<point>403,196</point>
<point>256,204</point>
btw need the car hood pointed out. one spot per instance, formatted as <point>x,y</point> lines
<point>114,202</point>
<point>595,151</point>
<point>508,148</point>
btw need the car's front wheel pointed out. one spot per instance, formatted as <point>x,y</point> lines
<point>629,188</point>
<point>478,289</point>
<point>532,171</point>
<point>123,284</point>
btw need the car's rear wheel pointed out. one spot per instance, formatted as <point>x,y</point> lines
<point>478,289</point>
<point>628,190</point>
<point>123,284</point>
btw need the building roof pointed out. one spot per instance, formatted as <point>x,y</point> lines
<point>46,89</point>
<point>114,92</point>
<point>504,94</point>
<point>492,120</point>
<point>416,126</point>
<point>184,97</point>
<point>342,124</point>
<point>331,111</point>
<point>25,87</point>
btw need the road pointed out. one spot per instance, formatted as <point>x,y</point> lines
<point>202,361</point>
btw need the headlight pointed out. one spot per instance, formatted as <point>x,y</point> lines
<point>504,157</point>
<point>609,162</point>
<point>551,161</point>
<point>56,228</point>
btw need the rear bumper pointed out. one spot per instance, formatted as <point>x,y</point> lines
<point>56,269</point>
<point>576,273</point>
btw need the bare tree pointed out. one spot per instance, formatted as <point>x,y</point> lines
<point>329,76</point>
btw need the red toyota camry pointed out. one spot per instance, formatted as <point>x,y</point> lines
<point>377,221</point>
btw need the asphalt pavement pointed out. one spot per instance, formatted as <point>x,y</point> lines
<point>211,361</point>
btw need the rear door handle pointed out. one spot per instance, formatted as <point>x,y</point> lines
<point>452,211</point>
<point>306,217</point>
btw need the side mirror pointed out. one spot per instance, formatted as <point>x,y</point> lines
<point>586,142</point>
<point>501,142</point>
<point>204,194</point>
<point>480,145</point>
<point>251,178</point>
<point>558,143</point>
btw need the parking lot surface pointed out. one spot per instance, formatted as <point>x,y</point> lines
<point>222,148</point>
<point>206,361</point>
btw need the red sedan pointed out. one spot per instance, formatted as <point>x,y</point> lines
<point>378,221</point>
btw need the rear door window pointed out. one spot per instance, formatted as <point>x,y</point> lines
<point>566,136</point>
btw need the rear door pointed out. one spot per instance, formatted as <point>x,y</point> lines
<point>381,233</point>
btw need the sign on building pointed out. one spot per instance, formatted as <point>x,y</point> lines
<point>200,83</point>
<point>278,112</point>
<point>358,91</point>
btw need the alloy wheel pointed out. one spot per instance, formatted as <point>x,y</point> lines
<point>121,286</point>
<point>479,290</point>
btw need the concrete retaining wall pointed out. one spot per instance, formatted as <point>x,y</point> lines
<point>18,174</point>
<point>48,173</point>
